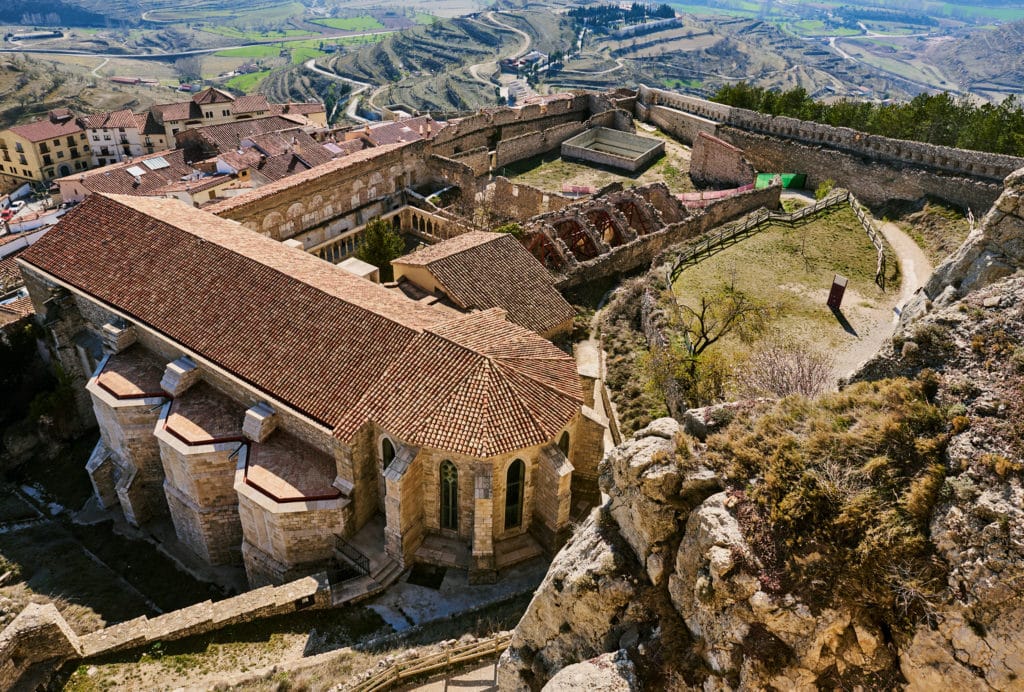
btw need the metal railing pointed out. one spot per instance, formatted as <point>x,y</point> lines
<point>352,554</point>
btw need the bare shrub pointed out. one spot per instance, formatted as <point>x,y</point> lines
<point>778,368</point>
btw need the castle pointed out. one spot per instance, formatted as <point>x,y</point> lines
<point>288,414</point>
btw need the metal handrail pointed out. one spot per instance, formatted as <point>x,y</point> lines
<point>351,553</point>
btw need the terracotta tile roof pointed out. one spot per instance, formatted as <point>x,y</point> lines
<point>476,385</point>
<point>122,118</point>
<point>227,136</point>
<point>10,274</point>
<point>408,130</point>
<point>16,310</point>
<point>132,374</point>
<point>147,124</point>
<point>303,108</point>
<point>493,270</point>
<point>173,112</point>
<point>250,103</point>
<point>115,178</point>
<point>302,178</point>
<point>203,415</point>
<point>342,350</point>
<point>212,95</point>
<point>49,128</point>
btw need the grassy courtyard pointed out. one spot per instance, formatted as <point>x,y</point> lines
<point>790,270</point>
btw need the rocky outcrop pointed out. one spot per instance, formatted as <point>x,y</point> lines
<point>993,251</point>
<point>612,672</point>
<point>673,531</point>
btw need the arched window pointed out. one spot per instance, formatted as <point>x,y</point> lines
<point>449,496</point>
<point>563,443</point>
<point>514,482</point>
<point>387,453</point>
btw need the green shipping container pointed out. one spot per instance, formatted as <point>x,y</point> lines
<point>794,180</point>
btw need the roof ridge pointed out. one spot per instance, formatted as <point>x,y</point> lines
<point>373,308</point>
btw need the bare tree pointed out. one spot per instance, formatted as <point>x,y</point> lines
<point>189,68</point>
<point>779,367</point>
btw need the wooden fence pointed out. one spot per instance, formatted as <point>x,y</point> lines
<point>755,221</point>
<point>433,663</point>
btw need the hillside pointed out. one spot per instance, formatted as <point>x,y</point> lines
<point>986,62</point>
<point>867,539</point>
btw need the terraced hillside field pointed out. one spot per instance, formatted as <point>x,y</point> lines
<point>449,65</point>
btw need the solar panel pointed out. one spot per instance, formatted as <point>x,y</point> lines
<point>135,170</point>
<point>156,163</point>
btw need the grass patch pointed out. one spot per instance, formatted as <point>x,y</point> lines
<point>846,488</point>
<point>265,51</point>
<point>247,82</point>
<point>790,269</point>
<point>363,22</point>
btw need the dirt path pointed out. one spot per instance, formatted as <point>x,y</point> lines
<point>914,265</point>
<point>873,325</point>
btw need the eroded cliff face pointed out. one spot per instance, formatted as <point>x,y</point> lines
<point>703,574</point>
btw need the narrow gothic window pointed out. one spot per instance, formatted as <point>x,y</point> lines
<point>387,453</point>
<point>449,496</point>
<point>563,443</point>
<point>514,494</point>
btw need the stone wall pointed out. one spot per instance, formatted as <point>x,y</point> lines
<point>876,168</point>
<point>512,149</point>
<point>518,202</point>
<point>716,163</point>
<point>633,153</point>
<point>339,195</point>
<point>683,126</point>
<point>37,635</point>
<point>873,182</point>
<point>644,249</point>
<point>479,160</point>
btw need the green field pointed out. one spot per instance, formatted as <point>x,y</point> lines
<point>246,82</point>
<point>248,35</point>
<point>363,22</point>
<point>267,51</point>
<point>423,18</point>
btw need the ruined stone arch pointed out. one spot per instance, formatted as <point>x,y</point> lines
<point>272,221</point>
<point>296,211</point>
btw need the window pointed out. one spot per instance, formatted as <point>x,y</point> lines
<point>95,138</point>
<point>225,113</point>
<point>60,154</point>
<point>22,160</point>
<point>387,453</point>
<point>47,160</point>
<point>120,129</point>
<point>514,494</point>
<point>81,136</point>
<point>18,148</point>
<point>563,443</point>
<point>449,496</point>
<point>71,141</point>
<point>209,114</point>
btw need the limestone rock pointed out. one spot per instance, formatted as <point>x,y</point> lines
<point>612,672</point>
<point>993,251</point>
<point>588,587</point>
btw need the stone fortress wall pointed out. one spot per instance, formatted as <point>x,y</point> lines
<point>876,168</point>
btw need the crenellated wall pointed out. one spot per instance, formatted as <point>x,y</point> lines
<point>876,168</point>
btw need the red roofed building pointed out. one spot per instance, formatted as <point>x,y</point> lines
<point>288,415</point>
<point>40,151</point>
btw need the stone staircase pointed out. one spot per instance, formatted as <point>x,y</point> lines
<point>512,551</point>
<point>446,552</point>
<point>382,573</point>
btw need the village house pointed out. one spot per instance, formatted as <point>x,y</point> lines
<point>40,151</point>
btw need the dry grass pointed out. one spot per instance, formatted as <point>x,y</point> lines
<point>847,485</point>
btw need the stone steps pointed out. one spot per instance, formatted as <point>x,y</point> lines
<point>515,550</point>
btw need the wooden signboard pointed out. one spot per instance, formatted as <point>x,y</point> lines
<point>835,296</point>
